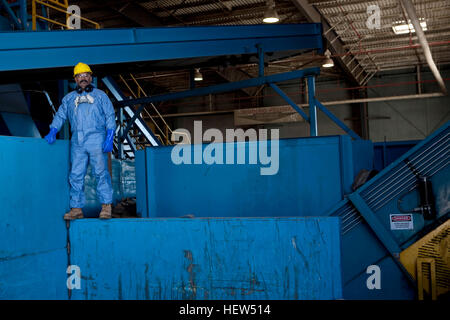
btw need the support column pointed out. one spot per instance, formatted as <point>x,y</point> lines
<point>119,142</point>
<point>261,61</point>
<point>312,106</point>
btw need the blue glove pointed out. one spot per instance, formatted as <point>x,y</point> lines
<point>51,137</point>
<point>108,144</point>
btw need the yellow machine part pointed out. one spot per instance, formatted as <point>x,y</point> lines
<point>428,262</point>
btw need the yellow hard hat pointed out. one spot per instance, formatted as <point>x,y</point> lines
<point>81,68</point>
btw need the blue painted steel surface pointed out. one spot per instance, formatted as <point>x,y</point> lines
<point>26,50</point>
<point>388,152</point>
<point>377,200</point>
<point>207,258</point>
<point>34,196</point>
<point>313,175</point>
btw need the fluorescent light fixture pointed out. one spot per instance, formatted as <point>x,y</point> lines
<point>328,63</point>
<point>401,27</point>
<point>198,76</point>
<point>271,15</point>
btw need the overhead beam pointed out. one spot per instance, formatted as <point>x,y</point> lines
<point>56,49</point>
<point>225,87</point>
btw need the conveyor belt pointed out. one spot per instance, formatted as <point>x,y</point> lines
<point>367,235</point>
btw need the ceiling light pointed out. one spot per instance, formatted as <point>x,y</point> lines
<point>198,76</point>
<point>271,15</point>
<point>328,63</point>
<point>401,27</point>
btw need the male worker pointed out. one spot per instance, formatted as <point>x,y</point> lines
<point>92,120</point>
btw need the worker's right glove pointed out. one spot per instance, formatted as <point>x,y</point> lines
<point>51,137</point>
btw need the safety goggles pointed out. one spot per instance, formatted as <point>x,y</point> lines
<point>83,75</point>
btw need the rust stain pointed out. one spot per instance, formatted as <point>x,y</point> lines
<point>190,269</point>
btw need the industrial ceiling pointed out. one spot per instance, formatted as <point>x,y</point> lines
<point>360,51</point>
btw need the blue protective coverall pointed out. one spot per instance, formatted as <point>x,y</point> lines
<point>89,123</point>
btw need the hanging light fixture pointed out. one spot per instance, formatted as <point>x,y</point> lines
<point>198,76</point>
<point>271,15</point>
<point>401,27</point>
<point>328,63</point>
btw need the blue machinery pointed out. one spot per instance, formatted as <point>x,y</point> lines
<point>355,227</point>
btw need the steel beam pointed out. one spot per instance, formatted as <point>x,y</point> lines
<point>226,87</point>
<point>140,123</point>
<point>215,89</point>
<point>289,100</point>
<point>312,107</point>
<point>53,49</point>
<point>336,120</point>
<point>11,14</point>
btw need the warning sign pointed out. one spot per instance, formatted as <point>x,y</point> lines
<point>401,222</point>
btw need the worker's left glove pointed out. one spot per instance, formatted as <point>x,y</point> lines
<point>108,144</point>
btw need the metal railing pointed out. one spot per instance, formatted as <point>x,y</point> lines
<point>166,133</point>
<point>58,6</point>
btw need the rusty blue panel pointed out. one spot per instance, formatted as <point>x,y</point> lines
<point>313,175</point>
<point>34,195</point>
<point>230,258</point>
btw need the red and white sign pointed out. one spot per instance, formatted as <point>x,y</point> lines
<point>401,222</point>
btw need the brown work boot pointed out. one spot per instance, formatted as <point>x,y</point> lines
<point>106,211</point>
<point>74,213</point>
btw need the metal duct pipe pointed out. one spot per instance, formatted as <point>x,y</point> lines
<point>409,7</point>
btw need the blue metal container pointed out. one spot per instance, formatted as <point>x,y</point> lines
<point>34,196</point>
<point>313,174</point>
<point>207,258</point>
<point>387,152</point>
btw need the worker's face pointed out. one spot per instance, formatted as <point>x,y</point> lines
<point>83,79</point>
